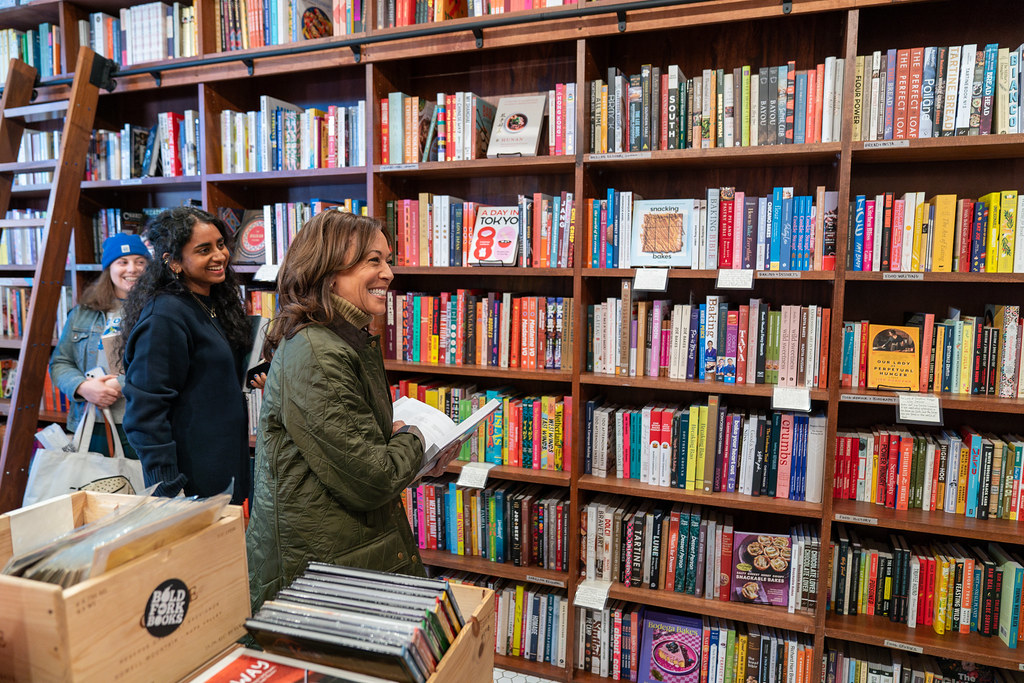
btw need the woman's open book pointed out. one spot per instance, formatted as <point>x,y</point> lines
<point>439,431</point>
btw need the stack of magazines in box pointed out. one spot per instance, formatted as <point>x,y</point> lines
<point>388,625</point>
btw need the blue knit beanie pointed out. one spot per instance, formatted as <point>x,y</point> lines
<point>122,244</point>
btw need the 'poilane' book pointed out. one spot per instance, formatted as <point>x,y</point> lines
<point>517,126</point>
<point>495,239</point>
<point>893,357</point>
<point>439,431</point>
<point>670,649</point>
<point>661,234</point>
<point>760,568</point>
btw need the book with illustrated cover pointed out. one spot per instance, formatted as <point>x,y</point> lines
<point>893,357</point>
<point>314,19</point>
<point>251,239</point>
<point>661,233</point>
<point>670,649</point>
<point>518,122</point>
<point>760,568</point>
<point>243,664</point>
<point>495,240</point>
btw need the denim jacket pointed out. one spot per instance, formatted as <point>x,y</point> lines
<point>77,352</point>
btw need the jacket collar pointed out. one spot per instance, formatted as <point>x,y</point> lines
<point>355,337</point>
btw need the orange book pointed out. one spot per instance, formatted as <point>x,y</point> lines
<point>517,323</point>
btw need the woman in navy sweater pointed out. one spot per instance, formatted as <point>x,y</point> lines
<point>186,339</point>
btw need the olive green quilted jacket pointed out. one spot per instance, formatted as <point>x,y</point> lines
<point>329,473</point>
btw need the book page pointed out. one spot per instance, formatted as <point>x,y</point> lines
<point>439,431</point>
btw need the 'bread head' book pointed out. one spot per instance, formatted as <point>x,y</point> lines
<point>893,357</point>
<point>517,126</point>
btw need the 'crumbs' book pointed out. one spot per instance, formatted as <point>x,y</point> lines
<point>669,649</point>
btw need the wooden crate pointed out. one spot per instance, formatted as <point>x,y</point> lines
<point>470,659</point>
<point>103,629</point>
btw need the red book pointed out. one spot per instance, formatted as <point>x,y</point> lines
<point>914,95</point>
<point>727,538</point>
<point>899,130</point>
<point>819,85</point>
<point>826,323</point>
<point>664,112</point>
<point>903,488</point>
<point>891,470</point>
<point>965,217</point>
<point>883,466</point>
<point>741,345</point>
<point>926,346</point>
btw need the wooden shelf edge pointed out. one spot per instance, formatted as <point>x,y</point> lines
<point>973,403</point>
<point>942,523</point>
<point>688,274</point>
<point>507,570</point>
<point>938,149</point>
<point>526,666</point>
<point>883,633</point>
<point>860,276</point>
<point>766,390</point>
<point>738,611</point>
<point>630,487</point>
<point>760,154</point>
<point>479,371</point>
<point>482,271</point>
<point>549,477</point>
<point>44,415</point>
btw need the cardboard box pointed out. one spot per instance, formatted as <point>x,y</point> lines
<point>155,618</point>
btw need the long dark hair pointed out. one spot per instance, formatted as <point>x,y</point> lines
<point>100,295</point>
<point>169,233</point>
<point>328,242</point>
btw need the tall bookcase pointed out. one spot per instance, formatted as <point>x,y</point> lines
<point>531,58</point>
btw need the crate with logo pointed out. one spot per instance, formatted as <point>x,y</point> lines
<point>156,617</point>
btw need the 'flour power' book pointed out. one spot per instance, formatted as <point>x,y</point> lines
<point>669,649</point>
<point>517,126</point>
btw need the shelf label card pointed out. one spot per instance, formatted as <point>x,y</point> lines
<point>791,398</point>
<point>866,398</point>
<point>650,280</point>
<point>885,144</point>
<point>474,474</point>
<point>399,167</point>
<point>735,278</point>
<point>618,156</point>
<point>778,274</point>
<point>592,594</point>
<point>266,273</point>
<point>906,647</point>
<point>546,581</point>
<point>902,276</point>
<point>856,519</point>
<point>132,181</point>
<point>922,409</point>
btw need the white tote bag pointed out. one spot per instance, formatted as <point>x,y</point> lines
<point>54,473</point>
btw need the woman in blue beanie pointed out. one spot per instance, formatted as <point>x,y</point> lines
<point>186,342</point>
<point>81,345</point>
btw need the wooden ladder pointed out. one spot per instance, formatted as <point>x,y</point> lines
<point>91,73</point>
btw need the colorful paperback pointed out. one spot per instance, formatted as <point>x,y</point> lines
<point>670,649</point>
<point>661,233</point>
<point>495,237</point>
<point>760,570</point>
<point>893,358</point>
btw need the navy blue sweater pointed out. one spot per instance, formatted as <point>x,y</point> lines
<point>186,415</point>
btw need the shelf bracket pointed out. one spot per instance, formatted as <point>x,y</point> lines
<point>621,16</point>
<point>249,65</point>
<point>357,52</point>
<point>157,78</point>
<point>787,6</point>
<point>103,71</point>
<point>478,33</point>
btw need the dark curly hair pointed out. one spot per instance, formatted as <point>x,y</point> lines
<point>169,233</point>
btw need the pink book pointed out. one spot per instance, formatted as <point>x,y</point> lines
<point>738,232</point>
<point>869,233</point>
<point>654,361</point>
<point>785,456</point>
<point>666,345</point>
<point>537,417</point>
<point>809,135</point>
<point>626,441</point>
<point>896,252</point>
<point>560,118</point>
<point>741,345</point>
<point>421,517</point>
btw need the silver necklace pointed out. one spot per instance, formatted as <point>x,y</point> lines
<point>210,311</point>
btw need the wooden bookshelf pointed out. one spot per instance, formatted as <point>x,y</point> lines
<point>44,415</point>
<point>967,402</point>
<point>763,390</point>
<point>548,577</point>
<point>479,371</point>
<point>775,155</point>
<point>531,668</point>
<point>936,523</point>
<point>687,274</point>
<point>505,473</point>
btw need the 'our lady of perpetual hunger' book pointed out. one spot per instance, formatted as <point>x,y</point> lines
<point>893,357</point>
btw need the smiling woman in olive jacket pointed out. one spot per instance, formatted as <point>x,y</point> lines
<point>330,463</point>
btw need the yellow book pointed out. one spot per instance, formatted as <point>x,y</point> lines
<point>942,232</point>
<point>517,629</point>
<point>702,437</point>
<point>474,523</point>
<point>940,356</point>
<point>547,410</point>
<point>961,487</point>
<point>506,428</point>
<point>966,355</point>
<point>1007,228</point>
<point>603,142</point>
<point>559,433</point>
<point>460,523</point>
<point>920,239</point>
<point>991,200</point>
<point>691,448</point>
<point>893,357</point>
<point>941,593</point>
<point>430,398</point>
<point>741,651</point>
<point>424,205</point>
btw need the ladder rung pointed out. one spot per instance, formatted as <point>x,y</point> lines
<point>36,109</point>
<point>29,166</point>
<point>23,223</point>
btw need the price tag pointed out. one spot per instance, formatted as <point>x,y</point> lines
<point>886,144</point>
<point>266,273</point>
<point>902,276</point>
<point>592,594</point>
<point>856,519</point>
<point>733,278</point>
<point>474,474</point>
<point>791,398</point>
<point>906,647</point>
<point>650,280</point>
<point>547,582</point>
<point>920,409</point>
<point>37,525</point>
<point>399,167</point>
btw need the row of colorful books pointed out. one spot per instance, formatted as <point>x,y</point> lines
<point>392,13</point>
<point>521,524</point>
<point>527,431</point>
<point>707,448</point>
<point>470,327</point>
<point>111,221</point>
<point>959,472</point>
<point>854,662</point>
<point>151,32</point>
<point>283,136</point>
<point>244,24</point>
<point>138,152</point>
<point>659,109</point>
<point>20,246</point>
<point>629,642</point>
<point>941,234</point>
<point>262,236</point>
<point>539,231</point>
<point>714,342</point>
<point>39,47</point>
<point>930,92</point>
<point>977,355</point>
<point>14,299</point>
<point>37,145</point>
<point>260,302</point>
<point>530,622</point>
<point>725,229</point>
<point>53,399</point>
<point>950,587</point>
